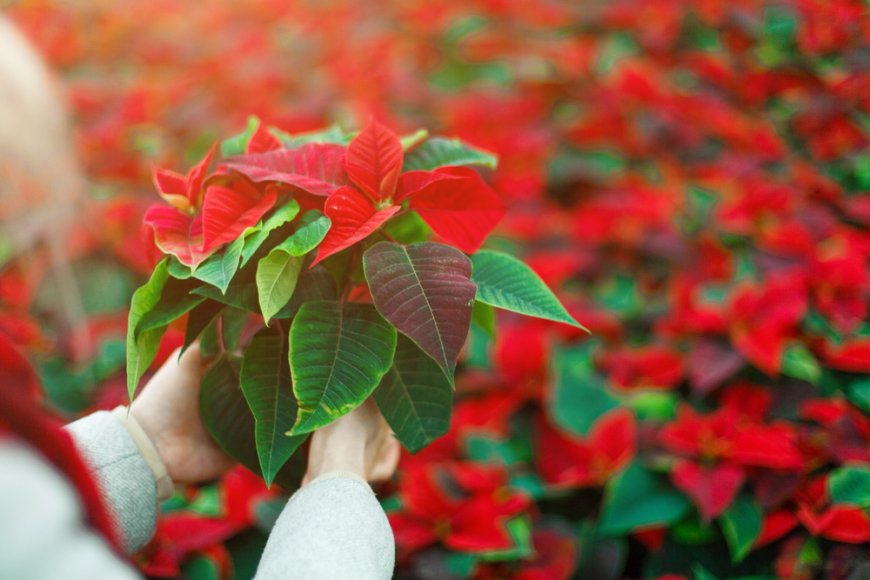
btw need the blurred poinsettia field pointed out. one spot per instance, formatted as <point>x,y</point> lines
<point>691,177</point>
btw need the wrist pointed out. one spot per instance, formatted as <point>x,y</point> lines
<point>147,445</point>
<point>329,453</point>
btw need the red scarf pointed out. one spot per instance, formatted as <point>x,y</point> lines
<point>22,418</point>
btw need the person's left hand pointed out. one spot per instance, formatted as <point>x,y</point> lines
<point>168,411</point>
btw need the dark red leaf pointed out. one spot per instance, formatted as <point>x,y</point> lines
<point>425,291</point>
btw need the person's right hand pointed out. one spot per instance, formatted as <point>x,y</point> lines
<point>360,442</point>
<point>168,412</point>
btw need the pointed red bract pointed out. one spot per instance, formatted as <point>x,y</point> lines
<point>229,211</point>
<point>712,489</point>
<point>262,141</point>
<point>317,168</point>
<point>412,182</point>
<point>353,218</point>
<point>374,161</point>
<point>172,187</point>
<point>177,233</point>
<point>183,193</point>
<point>462,211</point>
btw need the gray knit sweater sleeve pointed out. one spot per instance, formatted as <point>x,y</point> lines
<point>331,529</point>
<point>125,478</point>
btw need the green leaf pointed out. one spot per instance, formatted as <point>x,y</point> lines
<point>255,236</point>
<point>311,231</point>
<point>315,283</point>
<point>702,573</point>
<point>178,270</point>
<point>333,134</point>
<point>520,531</point>
<point>241,294</point>
<point>440,152</point>
<point>414,139</point>
<point>407,228</point>
<point>799,362</point>
<point>277,274</point>
<point>741,524</point>
<point>175,301</point>
<point>426,292</point>
<point>415,397</point>
<point>219,269</point>
<point>200,317</point>
<point>850,485</point>
<point>858,393</point>
<point>228,419</point>
<point>637,499</point>
<point>338,355</point>
<point>507,283</point>
<point>266,385</point>
<point>238,144</point>
<point>580,395</point>
<point>142,348</point>
<point>483,315</point>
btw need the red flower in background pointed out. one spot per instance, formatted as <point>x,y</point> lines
<point>463,505</point>
<point>564,460</point>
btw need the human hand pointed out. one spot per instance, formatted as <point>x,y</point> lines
<point>168,412</point>
<point>360,442</point>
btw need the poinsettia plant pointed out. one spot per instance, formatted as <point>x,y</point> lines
<point>307,270</point>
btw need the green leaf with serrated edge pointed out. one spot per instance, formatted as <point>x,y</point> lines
<point>426,292</point>
<point>228,419</point>
<point>438,152</point>
<point>142,349</point>
<point>741,524</point>
<point>315,283</point>
<point>850,484</point>
<point>507,283</point>
<point>219,269</point>
<point>580,395</point>
<point>483,315</point>
<point>277,274</point>
<point>338,355</point>
<point>637,499</point>
<point>175,301</point>
<point>313,226</point>
<point>415,397</point>
<point>238,144</point>
<point>414,139</point>
<point>266,385</point>
<point>255,236</point>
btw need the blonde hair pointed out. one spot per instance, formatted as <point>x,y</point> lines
<point>40,179</point>
<point>39,175</point>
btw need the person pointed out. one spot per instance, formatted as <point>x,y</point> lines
<point>75,500</point>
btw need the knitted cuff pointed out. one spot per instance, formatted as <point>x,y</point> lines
<point>148,450</point>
